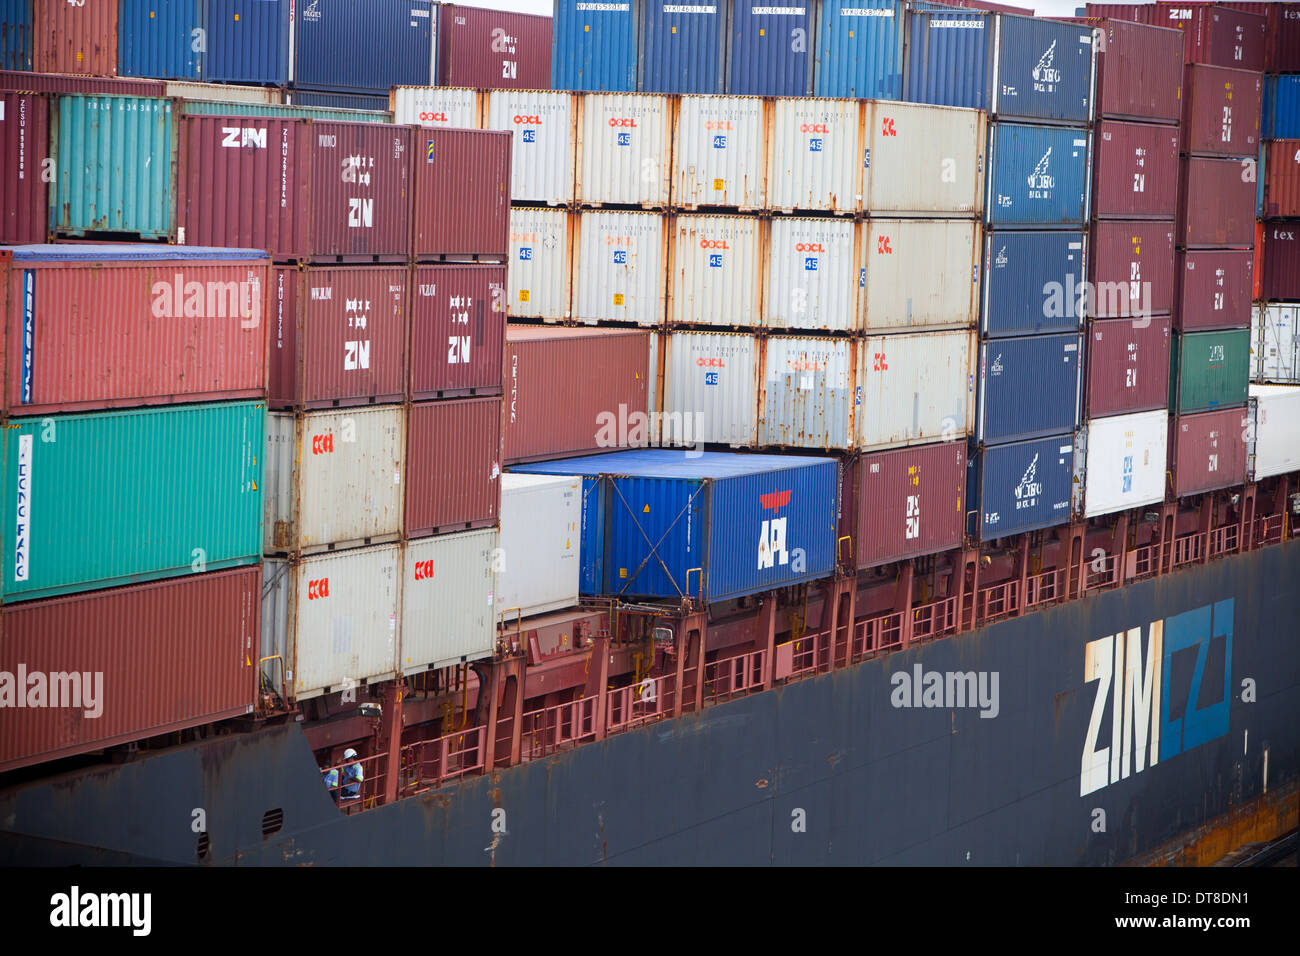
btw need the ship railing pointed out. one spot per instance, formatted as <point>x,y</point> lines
<point>1224,540</point>
<point>641,703</point>
<point>875,635</point>
<point>427,764</point>
<point>1041,589</point>
<point>1270,529</point>
<point>733,676</point>
<point>371,792</point>
<point>998,601</point>
<point>934,620</point>
<point>808,655</point>
<point>559,727</point>
<point>1143,562</point>
<point>1107,574</point>
<point>1189,549</point>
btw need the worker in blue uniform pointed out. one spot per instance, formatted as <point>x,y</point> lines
<point>353,775</point>
<point>332,783</point>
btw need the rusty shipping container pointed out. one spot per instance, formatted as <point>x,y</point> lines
<point>1130,268</point>
<point>574,391</point>
<point>1138,72</point>
<point>1216,35</point>
<point>453,466</point>
<point>905,503</point>
<point>117,326</point>
<point>1212,289</point>
<point>1221,111</point>
<point>1281,174</point>
<point>144,660</point>
<point>458,327</point>
<point>1128,366</point>
<point>65,83</point>
<point>338,335</point>
<point>24,147</point>
<point>1135,171</point>
<point>1216,203</point>
<point>493,49</point>
<point>74,37</point>
<point>462,193</point>
<point>1280,279</point>
<point>1207,450</point>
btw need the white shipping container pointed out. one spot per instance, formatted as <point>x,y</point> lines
<point>545,138</point>
<point>813,155</point>
<point>710,387</point>
<point>624,148</point>
<point>807,399</point>
<point>333,478</point>
<point>923,160</point>
<point>715,272</point>
<point>914,388</point>
<point>448,600</point>
<point>541,527</point>
<point>223,93</point>
<point>811,276</point>
<point>540,257</point>
<point>434,106</point>
<point>329,621</point>
<point>1126,459</point>
<point>718,153</point>
<point>618,269</point>
<point>918,274</point>
<point>1275,346</point>
<point>1276,430</point>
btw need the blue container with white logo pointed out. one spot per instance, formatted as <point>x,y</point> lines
<point>1022,486</point>
<point>1031,282</point>
<point>1281,108</point>
<point>15,34</point>
<point>664,523</point>
<point>1038,176</point>
<point>859,50</point>
<point>358,46</point>
<point>683,47</point>
<point>163,39</point>
<point>1028,387</point>
<point>771,47</point>
<point>594,46</point>
<point>247,42</point>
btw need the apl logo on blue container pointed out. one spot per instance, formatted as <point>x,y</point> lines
<point>526,253</point>
<point>620,257</point>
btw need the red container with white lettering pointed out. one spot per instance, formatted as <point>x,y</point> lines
<point>1221,111</point>
<point>1213,289</point>
<point>458,330</point>
<point>1208,450</point>
<point>1131,268</point>
<point>493,49</point>
<point>24,147</point>
<point>1135,171</point>
<point>453,466</point>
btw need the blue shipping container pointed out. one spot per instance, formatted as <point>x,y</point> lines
<point>682,47</point>
<point>15,34</point>
<point>1281,108</point>
<point>162,39</point>
<point>1038,175</point>
<point>594,46</point>
<point>248,42</point>
<point>770,49</point>
<point>750,523</point>
<point>1020,487</point>
<point>1031,282</point>
<point>1029,387</point>
<point>359,46</point>
<point>860,50</point>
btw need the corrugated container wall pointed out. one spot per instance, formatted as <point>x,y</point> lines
<point>435,106</point>
<point>74,38</point>
<point>458,327</point>
<point>807,396</point>
<point>1209,370</point>
<point>76,83</point>
<point>1038,175</point>
<point>812,156</point>
<point>1029,278</point>
<point>1213,289</point>
<point>619,267</point>
<point>1029,387</point>
<point>247,42</point>
<point>949,58</point>
<point>130,516</point>
<point>1275,342</point>
<point>541,527</point>
<point>114,165</point>
<point>16,28</point>
<point>1216,203</point>
<point>923,160</point>
<point>1276,433</point>
<point>1021,487</point>
<point>1131,268</point>
<point>594,46</point>
<point>462,193</point>
<point>449,600</point>
<point>1125,462</point>
<point>1281,175</point>
<point>711,380</point>
<point>374,102</point>
<point>542,124</point>
<point>539,264</point>
<point>811,271</point>
<point>682,47</point>
<point>1281,108</point>
<point>225,94</point>
<point>719,152</point>
<point>1281,278</point>
<point>1139,72</point>
<point>1221,110</point>
<point>1128,366</point>
<point>1217,35</point>
<point>918,274</point>
<point>165,657</point>
<point>1135,171</point>
<point>859,49</point>
<point>914,388</point>
<point>156,38</point>
<point>361,190</point>
<point>769,49</point>
<point>1208,450</point>
<point>279,111</point>
<point>453,463</point>
<point>715,271</point>
<point>327,35</point>
<point>24,147</point>
<point>624,145</point>
<point>492,49</point>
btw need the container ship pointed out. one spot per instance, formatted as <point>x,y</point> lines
<point>632,437</point>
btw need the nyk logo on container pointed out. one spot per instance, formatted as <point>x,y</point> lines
<point>772,535</point>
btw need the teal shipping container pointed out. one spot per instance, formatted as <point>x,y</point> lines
<point>111,498</point>
<point>115,162</point>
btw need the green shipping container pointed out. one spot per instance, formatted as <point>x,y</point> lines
<point>1209,370</point>
<point>111,498</point>
<point>207,108</point>
<point>115,159</point>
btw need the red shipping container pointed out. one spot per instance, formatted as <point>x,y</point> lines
<point>1132,12</point>
<point>1139,71</point>
<point>339,336</point>
<point>360,191</point>
<point>156,658</point>
<point>905,503</point>
<point>24,147</point>
<point>1281,273</point>
<point>1122,253</point>
<point>1221,111</point>
<point>1213,289</point>
<point>563,386</point>
<point>1282,46</point>
<point>1216,202</point>
<point>1128,366</point>
<point>1217,35</point>
<point>453,466</point>
<point>1135,171</point>
<point>74,37</point>
<point>493,49</point>
<point>1208,450</point>
<point>1282,179</point>
<point>1257,280</point>
<point>90,332</point>
<point>462,193</point>
<point>63,83</point>
<point>458,330</point>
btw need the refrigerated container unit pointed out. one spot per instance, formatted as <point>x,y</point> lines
<point>24,148</point>
<point>448,599</point>
<point>859,49</point>
<point>1038,176</point>
<point>1139,72</point>
<point>682,47</point>
<point>16,28</point>
<point>715,271</point>
<point>1029,387</point>
<point>453,461</point>
<point>541,531</point>
<point>1221,111</point>
<point>1207,450</point>
<point>1135,171</point>
<point>810,275</point>
<point>624,149</point>
<point>813,147</point>
<point>913,388</point>
<point>594,46</point>
<point>1275,344</point>
<point>1280,278</point>
<point>1131,269</point>
<point>1124,461</point>
<point>492,49</point>
<point>711,386</point>
<point>436,106</point>
<point>1280,175</point>
<point>923,160</point>
<point>768,49</point>
<point>1208,370</point>
<point>74,38</point>
<point>916,274</point>
<point>719,153</point>
<point>618,267</point>
<point>540,264</point>
<point>543,125</point>
<point>1216,203</point>
<point>1127,366</point>
<point>462,194</point>
<point>458,327</point>
<point>1213,289</point>
<point>1020,486</point>
<point>1274,436</point>
<point>330,35</point>
<point>807,394</point>
<point>1031,282</point>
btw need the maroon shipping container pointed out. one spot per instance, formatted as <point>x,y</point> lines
<point>339,336</point>
<point>1282,179</point>
<point>562,385</point>
<point>1135,171</point>
<point>1282,46</point>
<point>1213,289</point>
<point>74,37</point>
<point>1132,12</point>
<point>905,503</point>
<point>1216,35</point>
<point>1208,450</point>
<point>63,83</point>
<point>1281,261</point>
<point>1221,111</point>
<point>24,147</point>
<point>1128,366</point>
<point>360,191</point>
<point>458,330</point>
<point>462,193</point>
<point>1139,72</point>
<point>1131,268</point>
<point>1216,203</point>
<point>493,49</point>
<point>453,466</point>
<point>120,334</point>
<point>161,657</point>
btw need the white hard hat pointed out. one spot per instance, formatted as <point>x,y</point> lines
<point>349,754</point>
